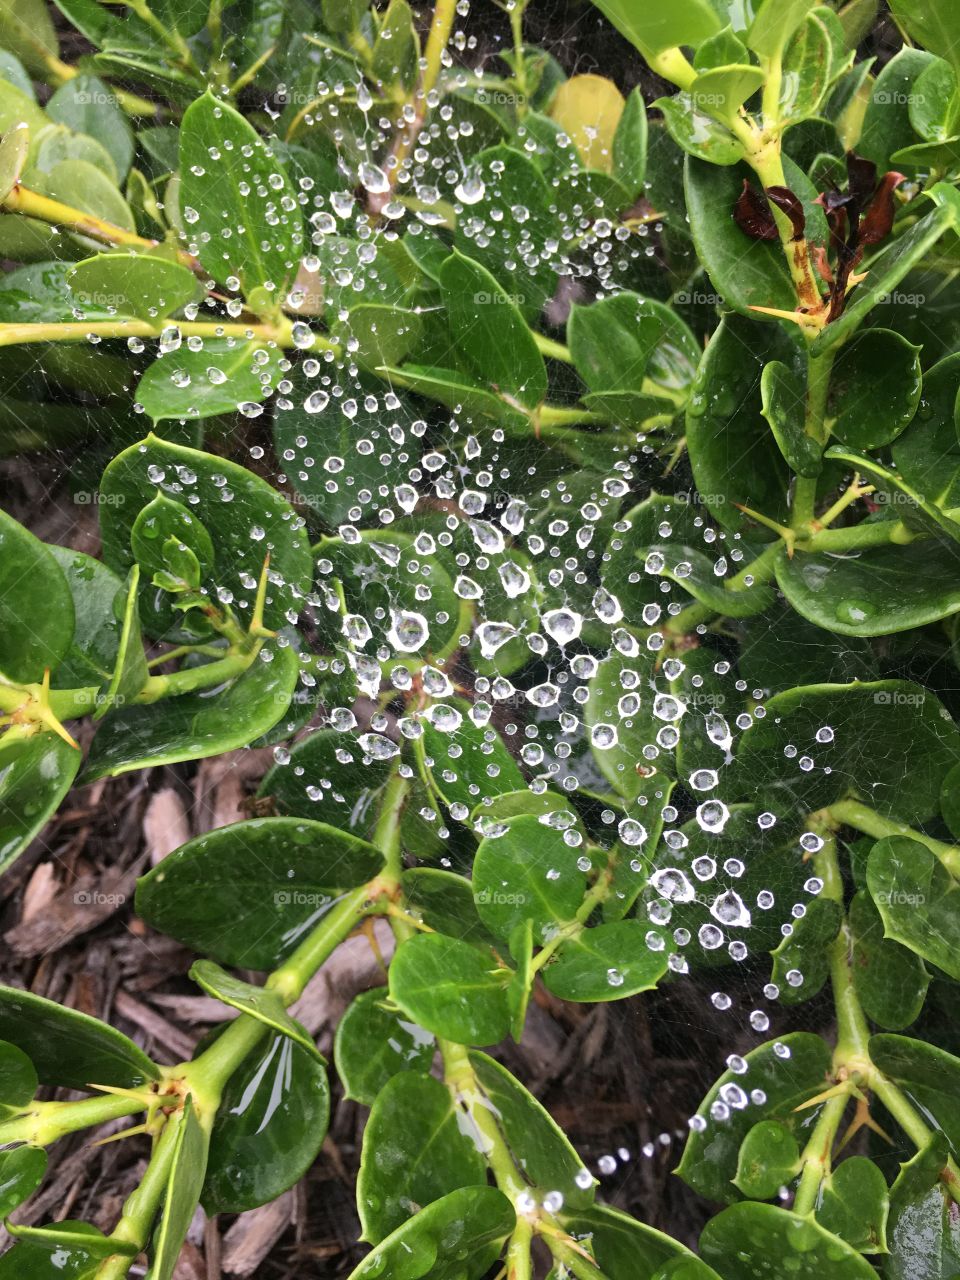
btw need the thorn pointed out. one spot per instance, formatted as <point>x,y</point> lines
<point>46,716</point>
<point>789,536</point>
<point>369,933</point>
<point>256,625</point>
<point>835,1091</point>
<point>124,1133</point>
<point>863,1120</point>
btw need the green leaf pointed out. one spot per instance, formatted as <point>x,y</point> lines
<point>827,725</point>
<point>131,671</point>
<point>224,376</point>
<point>775,23</point>
<point>813,654</point>
<point>918,900</point>
<point>491,332</point>
<point>549,1162</point>
<point>396,52</point>
<point>622,340</point>
<point>451,989</point>
<point>469,762</point>
<point>886,589</point>
<point>249,223</point>
<point>626,1249</point>
<point>630,144</point>
<point>743,1239</point>
<point>731,452</point>
<point>200,481</point>
<point>184,1185</point>
<point>445,902</point>
<point>886,124</point>
<point>378,334</point>
<point>22,1170</point>
<point>745,272</point>
<point>527,873</point>
<point>322,780</point>
<point>70,1251</point>
<point>13,157</point>
<point>27,31</point>
<point>807,69</point>
<point>272,879</point>
<point>890,980</point>
<point>930,1076</point>
<point>950,803</point>
<point>784,401</point>
<point>415,1151</point>
<point>720,92</point>
<point>656,28</point>
<point>18,108</point>
<point>930,105</point>
<point>35,774</point>
<point>455,1238</point>
<point>511,181</point>
<point>56,144</point>
<point>875,389</point>
<point>459,393</point>
<point>162,519</point>
<point>788,1072</point>
<point>923,1231</point>
<point>933,23</point>
<point>927,454</point>
<point>269,1129</point>
<point>68,1048</point>
<point>801,964</point>
<point>86,105</point>
<point>607,962</point>
<point>374,1043</point>
<point>854,1204</point>
<point>259,1002</point>
<point>83,186</point>
<point>127,284</point>
<point>92,655</point>
<point>886,271</point>
<point>769,1159</point>
<point>697,133</point>
<point>36,607</point>
<point>18,1080</point>
<point>193,726</point>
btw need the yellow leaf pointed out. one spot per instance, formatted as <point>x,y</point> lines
<point>589,108</point>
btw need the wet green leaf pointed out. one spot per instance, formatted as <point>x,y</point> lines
<point>35,774</point>
<point>788,1072</point>
<point>890,980</point>
<point>917,899</point>
<point>801,964</point>
<point>69,1048</point>
<point>259,1002</point>
<point>184,1185</point>
<point>775,23</point>
<point>249,223</point>
<point>74,1251</point>
<point>451,989</point>
<point>272,879</point>
<point>784,403</point>
<point>769,1159</point>
<point>929,1075</point>
<point>874,389</point>
<point>127,284</point>
<point>269,1129</point>
<point>527,873</point>
<point>607,962</point>
<point>21,1171</point>
<point>415,1151</point>
<point>743,1239</point>
<point>36,606</point>
<point>655,28</point>
<point>854,1204</point>
<point>886,125</point>
<point>396,53</point>
<point>222,377</point>
<point>923,1231</point>
<point>130,671</point>
<point>374,1043</point>
<point>630,144</point>
<point>86,105</point>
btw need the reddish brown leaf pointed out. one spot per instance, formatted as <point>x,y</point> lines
<point>791,204</point>
<point>861,179</point>
<point>754,216</point>
<point>877,222</point>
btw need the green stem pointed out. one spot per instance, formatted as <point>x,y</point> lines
<point>339,922</point>
<point>760,570</point>
<point>47,1122</point>
<point>191,679</point>
<point>386,835</point>
<point>819,369</point>
<point>853,813</point>
<point>817,1154</point>
<point>82,330</point>
<point>461,1078</point>
<point>142,1206</point>
<point>575,1263</point>
<point>555,350</point>
<point>550,415</point>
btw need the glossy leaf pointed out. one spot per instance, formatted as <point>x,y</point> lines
<point>914,894</point>
<point>69,1048</point>
<point>259,1002</point>
<point>630,144</point>
<point>775,23</point>
<point>927,455</point>
<point>874,389</point>
<point>854,1204</point>
<point>184,1185</point>
<point>788,1072</point>
<point>620,341</point>
<point>769,1159</point>
<point>374,1043</point>
<point>195,725</point>
<point>933,23</point>
<point>225,375</point>
<point>549,1162</point>
<point>240,193</point>
<point>742,1240</point>
<point>21,1171</point>
<point>890,980</point>
<point>491,332</point>
<point>908,719</point>
<point>456,1237</point>
<point>36,606</point>
<point>886,125</point>
<point>130,671</point>
<point>134,285</point>
<point>929,1075</point>
<point>606,962</point>
<point>135,477</point>
<point>626,1249</point>
<point>801,964</point>
<point>35,774</point>
<point>784,400</point>
<point>75,1251</point>
<point>269,1129</point>
<point>589,108</point>
<point>86,105</point>
<point>923,1231</point>
<point>527,873</point>
<point>18,1079</point>
<point>415,1151</point>
<point>653,29</point>
<point>469,763</point>
<point>451,989</point>
<point>270,879</point>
